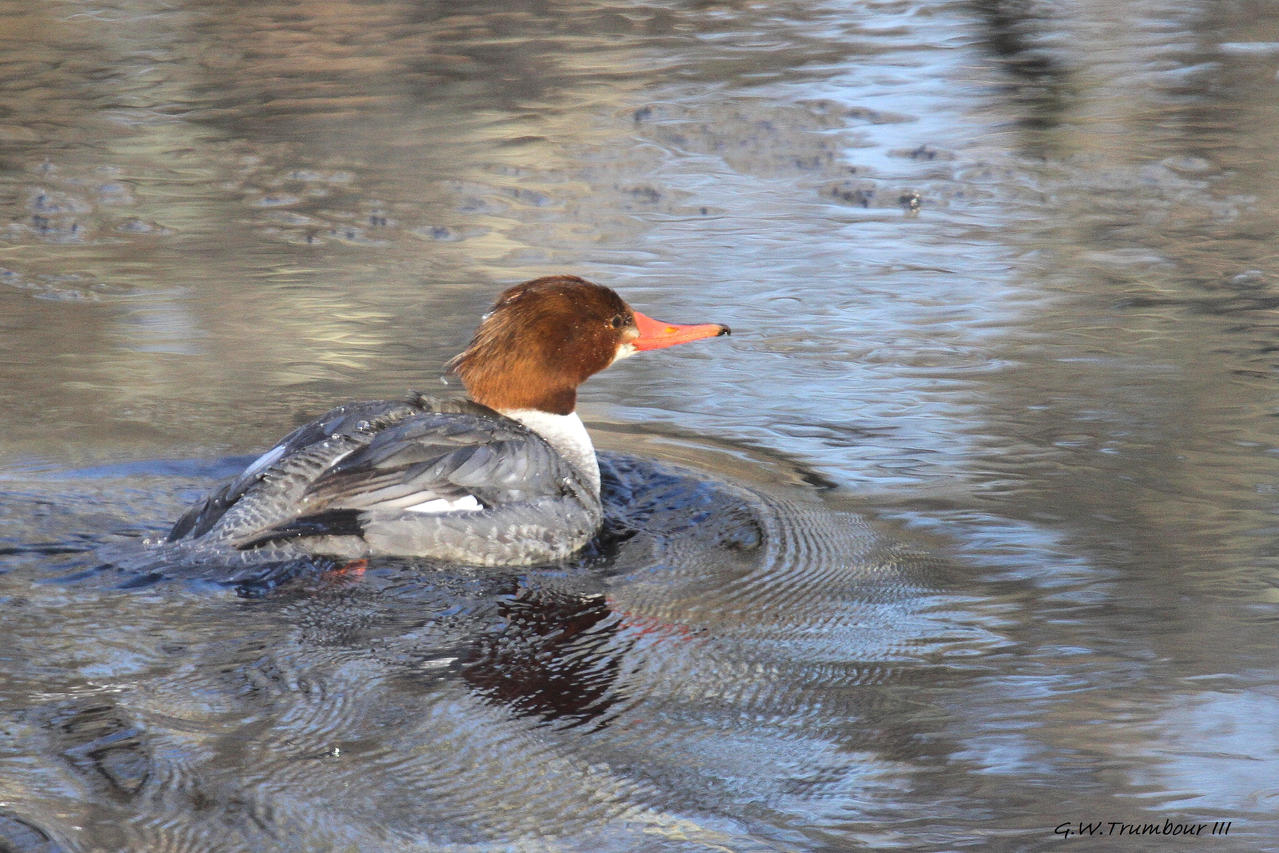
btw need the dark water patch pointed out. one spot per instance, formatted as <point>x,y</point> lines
<point>22,836</point>
<point>102,746</point>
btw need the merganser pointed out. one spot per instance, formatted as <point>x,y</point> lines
<point>508,477</point>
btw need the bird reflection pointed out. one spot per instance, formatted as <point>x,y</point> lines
<point>554,657</point>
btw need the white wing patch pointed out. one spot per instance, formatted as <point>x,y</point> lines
<point>265,461</point>
<point>466,502</point>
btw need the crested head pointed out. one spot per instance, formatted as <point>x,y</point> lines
<point>545,337</point>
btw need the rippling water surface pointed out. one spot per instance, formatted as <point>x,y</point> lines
<point>965,537</point>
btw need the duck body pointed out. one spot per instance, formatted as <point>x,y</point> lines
<point>450,480</point>
<point>508,477</point>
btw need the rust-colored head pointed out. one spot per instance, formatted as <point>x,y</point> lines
<point>545,337</point>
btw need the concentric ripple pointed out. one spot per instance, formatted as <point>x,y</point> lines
<point>720,651</point>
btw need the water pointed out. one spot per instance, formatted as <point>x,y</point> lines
<point>969,530</point>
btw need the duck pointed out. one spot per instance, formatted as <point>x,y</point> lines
<point>507,476</point>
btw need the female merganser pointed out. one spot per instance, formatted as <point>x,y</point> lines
<point>508,477</point>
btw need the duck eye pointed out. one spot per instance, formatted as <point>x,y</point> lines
<point>617,321</point>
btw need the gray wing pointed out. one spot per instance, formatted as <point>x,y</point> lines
<point>351,419</point>
<point>434,460</point>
